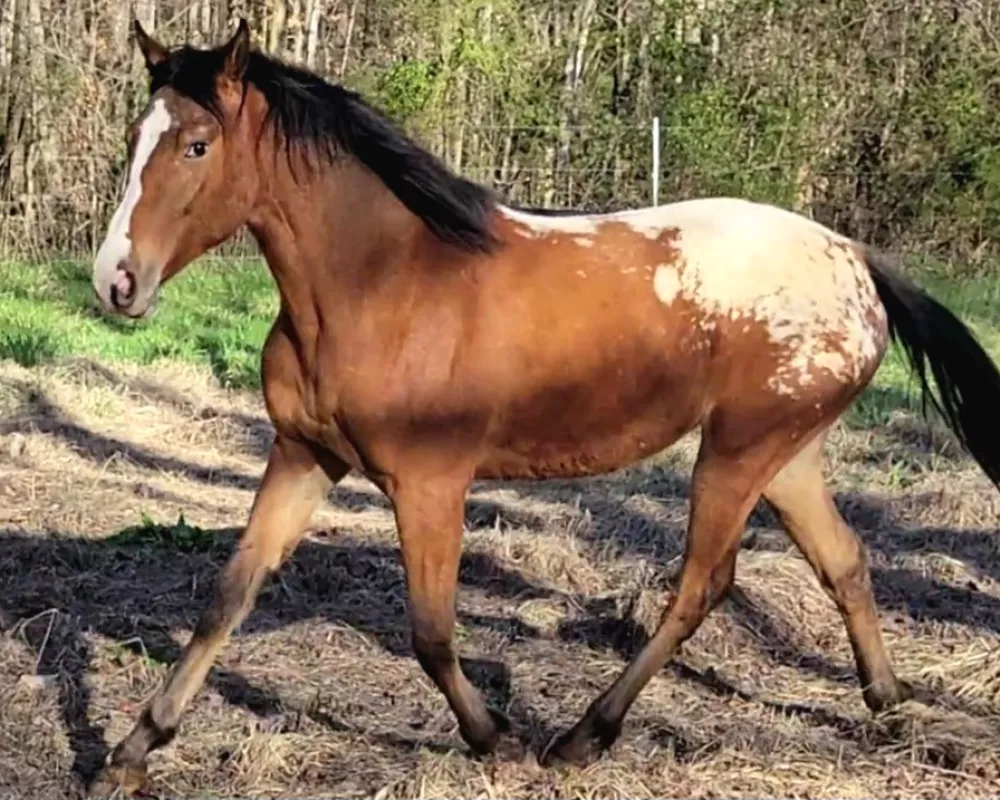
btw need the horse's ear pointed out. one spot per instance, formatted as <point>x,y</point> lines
<point>237,52</point>
<point>152,51</point>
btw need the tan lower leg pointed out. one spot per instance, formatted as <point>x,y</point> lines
<point>724,490</point>
<point>292,486</point>
<point>807,510</point>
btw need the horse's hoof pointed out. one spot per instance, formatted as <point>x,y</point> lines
<point>882,697</point>
<point>119,780</point>
<point>484,741</point>
<point>581,745</point>
<point>570,749</point>
<point>508,746</point>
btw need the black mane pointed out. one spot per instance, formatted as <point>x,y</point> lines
<point>306,111</point>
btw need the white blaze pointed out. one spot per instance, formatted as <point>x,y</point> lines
<point>117,243</point>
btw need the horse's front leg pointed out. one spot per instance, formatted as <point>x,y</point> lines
<point>294,482</point>
<point>429,517</point>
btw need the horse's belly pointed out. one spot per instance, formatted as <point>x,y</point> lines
<point>604,425</point>
<point>542,459</point>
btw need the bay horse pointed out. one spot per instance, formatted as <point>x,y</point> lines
<point>429,336</point>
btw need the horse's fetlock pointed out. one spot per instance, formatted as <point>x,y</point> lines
<point>160,720</point>
<point>432,648</point>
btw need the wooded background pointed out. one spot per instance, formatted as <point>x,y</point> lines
<point>880,117</point>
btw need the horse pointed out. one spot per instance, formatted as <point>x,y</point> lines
<point>430,336</point>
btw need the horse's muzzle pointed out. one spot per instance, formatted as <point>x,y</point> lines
<point>122,293</point>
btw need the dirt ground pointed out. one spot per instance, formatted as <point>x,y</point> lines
<point>319,695</point>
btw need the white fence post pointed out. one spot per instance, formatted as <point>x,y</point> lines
<point>656,161</point>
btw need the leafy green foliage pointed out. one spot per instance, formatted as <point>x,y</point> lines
<point>179,537</point>
<point>882,122</point>
<point>404,89</point>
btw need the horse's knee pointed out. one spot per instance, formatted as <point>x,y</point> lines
<point>700,595</point>
<point>720,580</point>
<point>850,586</point>
<point>685,612</point>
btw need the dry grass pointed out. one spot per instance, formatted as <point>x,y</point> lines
<point>319,694</point>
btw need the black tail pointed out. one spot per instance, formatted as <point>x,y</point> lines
<point>968,381</point>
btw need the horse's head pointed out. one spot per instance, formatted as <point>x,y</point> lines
<point>192,179</point>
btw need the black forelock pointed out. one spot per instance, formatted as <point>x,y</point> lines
<point>305,111</point>
<point>191,73</point>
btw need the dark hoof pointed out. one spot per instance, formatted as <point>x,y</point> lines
<point>483,741</point>
<point>580,745</point>
<point>119,780</point>
<point>509,749</point>
<point>507,745</point>
<point>500,720</point>
<point>882,697</point>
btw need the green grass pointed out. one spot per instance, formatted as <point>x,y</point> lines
<point>218,312</point>
<point>975,300</point>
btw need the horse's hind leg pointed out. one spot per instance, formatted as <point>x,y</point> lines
<point>293,484</point>
<point>799,494</point>
<point>724,489</point>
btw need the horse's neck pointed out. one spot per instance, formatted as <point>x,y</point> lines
<point>318,237</point>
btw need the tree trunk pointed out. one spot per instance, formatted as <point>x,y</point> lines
<point>348,37</point>
<point>583,16</point>
<point>314,12</point>
<point>277,27</point>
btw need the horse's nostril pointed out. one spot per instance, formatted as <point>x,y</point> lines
<point>123,289</point>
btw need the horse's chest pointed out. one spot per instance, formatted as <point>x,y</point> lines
<point>302,395</point>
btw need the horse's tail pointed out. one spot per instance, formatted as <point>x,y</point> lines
<point>968,381</point>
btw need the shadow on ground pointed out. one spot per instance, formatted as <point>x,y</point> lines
<point>56,589</point>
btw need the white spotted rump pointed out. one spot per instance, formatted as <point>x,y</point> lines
<point>758,265</point>
<point>666,283</point>
<point>117,245</point>
<point>805,284</point>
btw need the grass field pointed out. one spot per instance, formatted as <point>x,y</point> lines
<point>129,454</point>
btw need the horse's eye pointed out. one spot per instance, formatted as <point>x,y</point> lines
<point>196,150</point>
